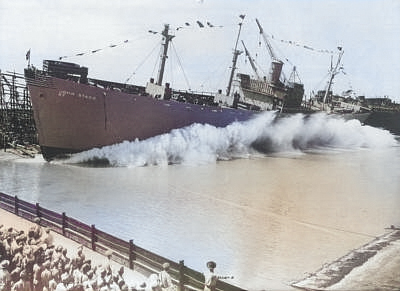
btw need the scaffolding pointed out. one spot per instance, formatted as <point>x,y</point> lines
<point>17,126</point>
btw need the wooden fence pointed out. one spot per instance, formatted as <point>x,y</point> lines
<point>124,252</point>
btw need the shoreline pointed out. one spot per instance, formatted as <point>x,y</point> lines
<point>361,268</point>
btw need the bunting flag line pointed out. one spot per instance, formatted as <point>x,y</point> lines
<point>200,24</point>
<point>290,42</point>
<point>93,51</point>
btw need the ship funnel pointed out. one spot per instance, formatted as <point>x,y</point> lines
<point>276,70</point>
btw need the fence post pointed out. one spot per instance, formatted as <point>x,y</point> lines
<point>181,286</point>
<point>93,237</point>
<point>64,223</point>
<point>132,255</point>
<point>38,214</point>
<point>16,205</point>
<point>5,142</point>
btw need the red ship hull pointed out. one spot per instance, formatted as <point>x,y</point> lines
<point>71,117</point>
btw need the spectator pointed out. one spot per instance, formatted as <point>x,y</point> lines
<point>5,276</point>
<point>48,238</point>
<point>63,285</point>
<point>210,281</point>
<point>37,229</point>
<point>46,276</point>
<point>23,283</point>
<point>107,262</point>
<point>28,264</point>
<point>154,283</point>
<point>165,278</point>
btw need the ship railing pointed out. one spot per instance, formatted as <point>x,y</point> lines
<point>37,78</point>
<point>126,253</point>
<point>193,97</point>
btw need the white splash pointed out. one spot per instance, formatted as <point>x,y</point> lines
<point>203,143</point>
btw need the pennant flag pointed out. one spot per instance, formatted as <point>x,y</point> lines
<point>28,54</point>
<point>290,42</point>
<point>242,16</point>
<point>96,50</point>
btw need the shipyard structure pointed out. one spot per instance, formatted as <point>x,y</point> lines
<point>17,126</point>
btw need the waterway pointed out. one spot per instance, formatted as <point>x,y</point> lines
<point>269,203</point>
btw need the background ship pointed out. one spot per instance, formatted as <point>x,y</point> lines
<point>276,92</point>
<point>75,113</point>
<point>273,92</point>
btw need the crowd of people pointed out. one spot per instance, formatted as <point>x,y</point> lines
<point>32,262</point>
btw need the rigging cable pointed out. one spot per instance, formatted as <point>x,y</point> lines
<point>141,64</point>
<point>220,70</point>
<point>180,65</point>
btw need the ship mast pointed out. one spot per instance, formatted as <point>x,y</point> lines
<point>166,38</point>
<point>236,53</point>
<point>333,72</point>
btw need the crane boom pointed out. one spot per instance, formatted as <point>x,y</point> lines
<point>267,43</point>
<point>253,65</point>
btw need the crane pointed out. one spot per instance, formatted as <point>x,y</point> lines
<point>253,65</point>
<point>277,64</point>
<point>267,43</point>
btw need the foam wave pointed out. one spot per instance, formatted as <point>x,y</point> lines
<point>203,143</point>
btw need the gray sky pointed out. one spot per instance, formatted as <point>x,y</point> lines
<point>368,31</point>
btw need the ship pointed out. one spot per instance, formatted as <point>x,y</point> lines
<point>75,113</point>
<point>286,95</point>
<point>349,107</point>
<point>272,92</point>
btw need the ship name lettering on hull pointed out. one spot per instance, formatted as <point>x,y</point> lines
<point>63,93</point>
